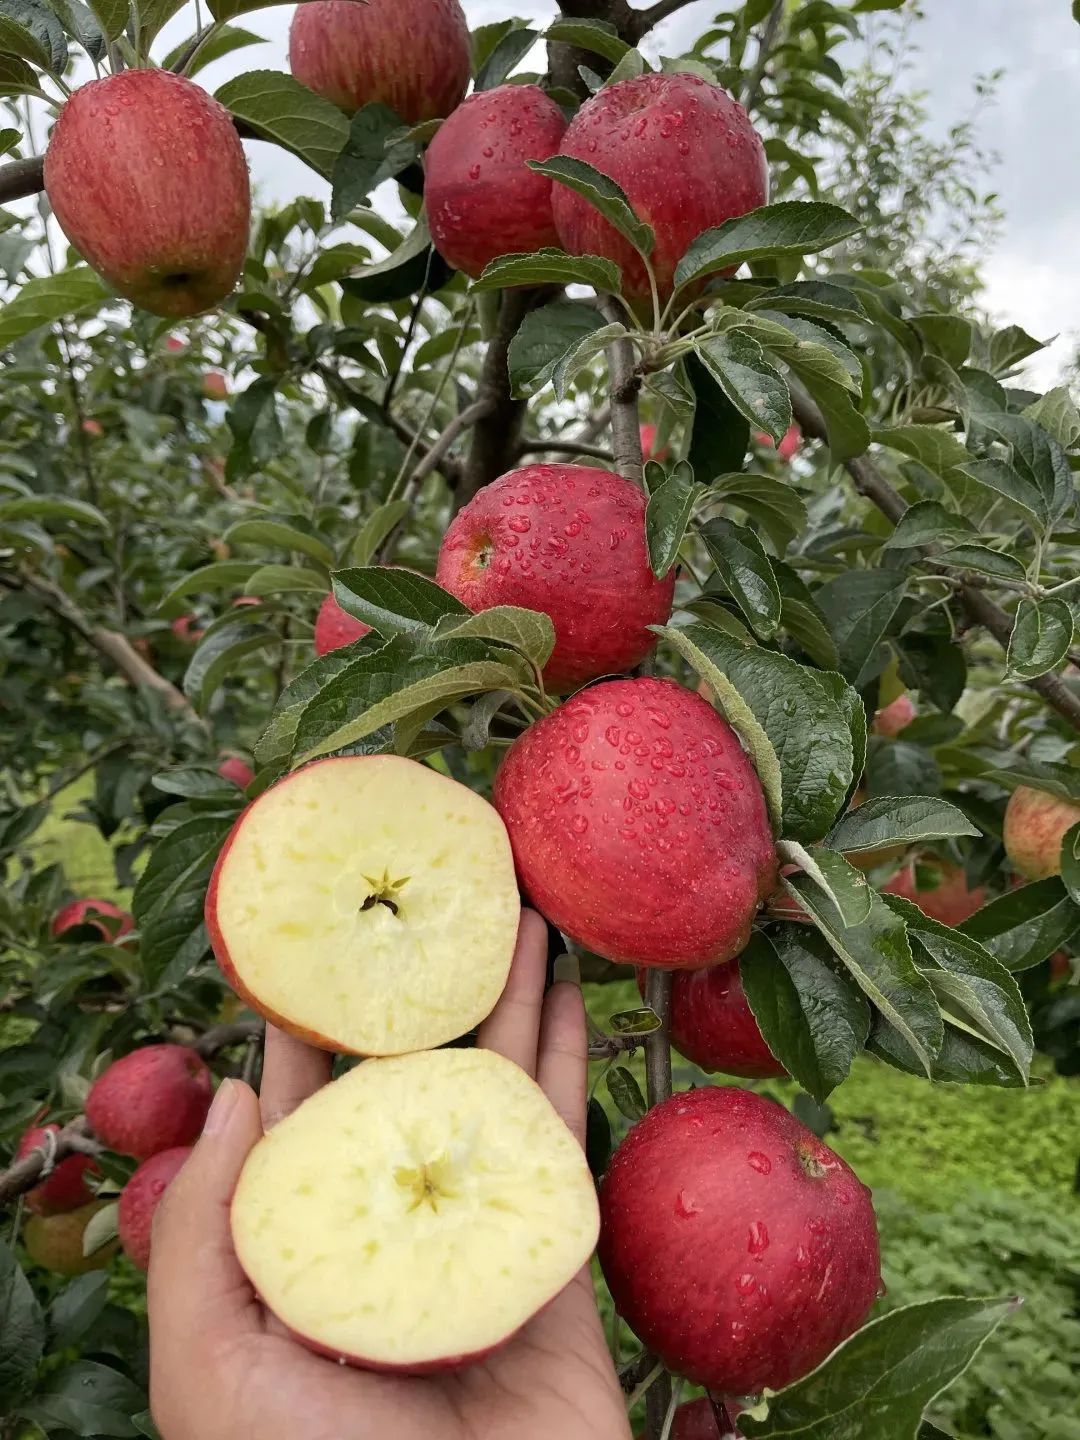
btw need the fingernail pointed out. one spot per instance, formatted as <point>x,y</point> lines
<point>567,969</point>
<point>224,1103</point>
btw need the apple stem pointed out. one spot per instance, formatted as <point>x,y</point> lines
<point>657,1048</point>
<point>624,385</point>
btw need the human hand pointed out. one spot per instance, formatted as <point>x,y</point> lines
<point>222,1367</point>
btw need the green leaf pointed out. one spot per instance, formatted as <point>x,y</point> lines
<point>75,1309</point>
<point>366,158</point>
<point>221,42</point>
<point>603,195</point>
<point>801,617</point>
<point>812,351</point>
<point>790,228</point>
<point>599,37</point>
<point>393,601</point>
<point>845,886</point>
<point>16,78</point>
<point>33,32</point>
<point>670,506</point>
<point>878,956</point>
<point>570,365</point>
<point>1041,637</point>
<point>376,528</point>
<point>776,507</point>
<point>281,533</point>
<point>1037,457</point>
<point>698,644</point>
<point>898,820</point>
<point>1006,483</point>
<point>511,48</point>
<point>527,631</point>
<point>939,450</point>
<point>22,1330</point>
<point>1070,863</point>
<point>284,580</point>
<point>287,113</point>
<point>151,16</point>
<point>744,568</point>
<point>48,298</point>
<point>641,1021</point>
<point>1056,413</point>
<point>411,265</point>
<point>181,861</point>
<point>819,299</point>
<point>811,1017</point>
<point>927,522</point>
<point>51,507</point>
<point>847,431</point>
<point>217,655</point>
<point>859,606</point>
<point>881,1380</point>
<point>720,435</point>
<point>985,562</point>
<point>549,267</point>
<point>390,683</point>
<point>752,383</point>
<point>626,1093</point>
<point>275,744</point>
<point>1025,926</point>
<point>1010,346</point>
<point>221,575</point>
<point>545,337</point>
<point>86,1399</point>
<point>112,16</point>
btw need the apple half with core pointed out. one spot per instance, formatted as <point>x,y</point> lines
<point>367,904</point>
<point>442,1187</point>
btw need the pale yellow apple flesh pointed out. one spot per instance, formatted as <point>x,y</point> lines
<point>417,1212</point>
<point>368,904</point>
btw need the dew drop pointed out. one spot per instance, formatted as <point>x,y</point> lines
<point>759,1238</point>
<point>759,1162</point>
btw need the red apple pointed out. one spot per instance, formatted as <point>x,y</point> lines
<point>65,1188</point>
<point>335,627</point>
<point>56,1241</point>
<point>455,1205</point>
<point>686,156</point>
<point>1035,826</point>
<point>713,1026</point>
<point>185,627</point>
<point>92,427</point>
<point>736,1245</point>
<point>214,384</point>
<point>639,826</point>
<point>367,904</point>
<point>151,1100</point>
<point>237,770</point>
<point>894,717</point>
<point>141,1196</point>
<point>102,915</point>
<point>648,444</point>
<point>694,1421</point>
<point>568,540</point>
<point>789,444</point>
<point>481,198</point>
<point>242,600</point>
<point>1060,967</point>
<point>939,888</point>
<point>414,56</point>
<point>174,344</point>
<point>147,178</point>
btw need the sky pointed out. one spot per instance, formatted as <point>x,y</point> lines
<point>1032,278</point>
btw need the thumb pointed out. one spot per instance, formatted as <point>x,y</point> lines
<point>195,1281</point>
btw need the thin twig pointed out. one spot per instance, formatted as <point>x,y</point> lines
<point>565,447</point>
<point>752,89</point>
<point>73,1139</point>
<point>221,1037</point>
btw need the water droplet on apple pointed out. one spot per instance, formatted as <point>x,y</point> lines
<point>686,1207</point>
<point>759,1238</point>
<point>488,151</point>
<point>474,172</point>
<point>521,524</point>
<point>759,1162</point>
<point>802,1258</point>
<point>746,1284</point>
<point>579,824</point>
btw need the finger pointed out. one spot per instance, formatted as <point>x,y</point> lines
<point>513,1027</point>
<point>563,1064</point>
<point>292,1070</point>
<point>195,1282</point>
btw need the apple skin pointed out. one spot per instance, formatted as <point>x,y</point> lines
<point>166,224</point>
<point>713,1026</point>
<point>141,1196</point>
<point>789,443</point>
<point>174,344</point>
<point>185,627</point>
<point>694,1421</point>
<point>55,1241</point>
<point>736,1245</point>
<point>237,770</point>
<point>638,825</point>
<point>214,384</point>
<point>414,56</point>
<point>108,919</point>
<point>896,716</point>
<point>481,198</point>
<point>335,627</point>
<point>950,901</point>
<point>93,427</point>
<point>150,1100</point>
<point>687,157</point>
<point>568,540</point>
<point>1035,825</point>
<point>66,1188</point>
<point>648,444</point>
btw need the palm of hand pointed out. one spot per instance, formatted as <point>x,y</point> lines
<point>222,1368</point>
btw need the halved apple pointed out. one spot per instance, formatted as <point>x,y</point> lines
<point>414,1214</point>
<point>367,904</point>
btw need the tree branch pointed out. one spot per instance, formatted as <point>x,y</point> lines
<point>20,178</point>
<point>752,89</point>
<point>221,1037</point>
<point>564,447</point>
<point>496,437</point>
<point>111,645</point>
<point>646,20</point>
<point>24,1174</point>
<point>875,487</point>
<point>624,386</point>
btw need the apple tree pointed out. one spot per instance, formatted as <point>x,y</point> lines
<point>621,439</point>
